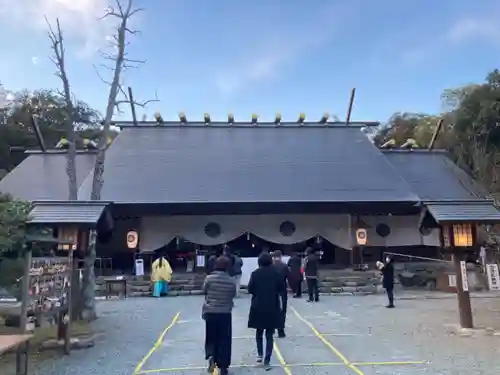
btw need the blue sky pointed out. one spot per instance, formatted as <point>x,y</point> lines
<point>264,56</point>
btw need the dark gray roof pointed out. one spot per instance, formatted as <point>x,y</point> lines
<point>43,176</point>
<point>433,176</point>
<point>237,164</point>
<point>77,212</point>
<point>475,212</point>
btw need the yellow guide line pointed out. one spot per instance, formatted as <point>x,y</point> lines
<point>281,360</point>
<point>157,344</point>
<point>328,343</point>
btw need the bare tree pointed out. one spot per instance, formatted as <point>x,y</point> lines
<point>123,11</point>
<point>58,58</point>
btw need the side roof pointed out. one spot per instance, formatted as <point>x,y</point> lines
<point>187,164</point>
<point>42,176</point>
<point>433,176</point>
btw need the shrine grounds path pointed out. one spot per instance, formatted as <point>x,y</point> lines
<point>337,336</point>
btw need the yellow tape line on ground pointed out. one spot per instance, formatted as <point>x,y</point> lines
<point>328,343</point>
<point>281,360</point>
<point>158,343</point>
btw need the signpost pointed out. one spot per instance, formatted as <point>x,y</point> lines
<point>46,289</point>
<point>493,276</point>
<point>465,279</point>
<point>458,238</point>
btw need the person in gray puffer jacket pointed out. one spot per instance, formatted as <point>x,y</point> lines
<point>220,290</point>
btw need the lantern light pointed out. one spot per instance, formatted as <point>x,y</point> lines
<point>324,118</point>
<point>182,118</point>
<point>230,118</point>
<point>361,236</point>
<point>206,117</point>
<point>277,118</point>
<point>132,239</point>
<point>158,118</point>
<point>255,118</point>
<point>301,118</point>
<point>462,235</point>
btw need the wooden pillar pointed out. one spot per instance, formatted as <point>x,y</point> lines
<point>463,295</point>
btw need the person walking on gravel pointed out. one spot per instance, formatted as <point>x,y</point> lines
<point>266,287</point>
<point>311,265</point>
<point>387,269</point>
<point>220,290</point>
<point>284,272</point>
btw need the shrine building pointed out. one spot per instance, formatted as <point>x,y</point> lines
<point>187,188</point>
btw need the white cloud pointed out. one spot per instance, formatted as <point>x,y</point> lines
<point>34,60</point>
<point>79,19</point>
<point>257,69</point>
<point>279,49</point>
<point>470,28</point>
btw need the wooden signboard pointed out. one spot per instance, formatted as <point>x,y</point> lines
<point>49,285</point>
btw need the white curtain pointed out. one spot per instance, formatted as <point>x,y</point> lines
<point>404,231</point>
<point>157,231</point>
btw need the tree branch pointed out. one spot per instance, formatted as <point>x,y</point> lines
<point>57,42</point>
<point>123,12</point>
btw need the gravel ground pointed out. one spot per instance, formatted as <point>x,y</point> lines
<point>360,328</point>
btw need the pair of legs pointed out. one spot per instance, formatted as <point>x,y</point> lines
<point>284,305</point>
<point>297,286</point>
<point>312,289</point>
<point>218,340</point>
<point>160,288</point>
<point>390,296</point>
<point>259,338</point>
<point>237,281</point>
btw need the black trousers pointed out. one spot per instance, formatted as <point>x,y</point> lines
<point>259,339</point>
<point>284,306</point>
<point>312,289</point>
<point>390,295</point>
<point>296,285</point>
<point>218,338</point>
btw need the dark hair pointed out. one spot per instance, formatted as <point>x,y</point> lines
<point>309,250</point>
<point>277,254</point>
<point>222,263</point>
<point>265,260</point>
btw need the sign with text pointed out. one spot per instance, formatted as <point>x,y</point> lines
<point>465,279</point>
<point>493,276</point>
<point>452,281</point>
<point>49,279</point>
<point>139,267</point>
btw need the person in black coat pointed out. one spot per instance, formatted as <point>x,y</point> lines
<point>296,277</point>
<point>284,273</point>
<point>211,263</point>
<point>388,280</point>
<point>266,288</point>
<point>311,266</point>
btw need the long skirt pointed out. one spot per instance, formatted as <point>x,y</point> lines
<point>160,288</point>
<point>218,338</point>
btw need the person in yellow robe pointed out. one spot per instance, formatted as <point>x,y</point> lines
<point>161,274</point>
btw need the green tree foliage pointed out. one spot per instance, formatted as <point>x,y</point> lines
<point>471,129</point>
<point>49,108</point>
<point>13,217</point>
